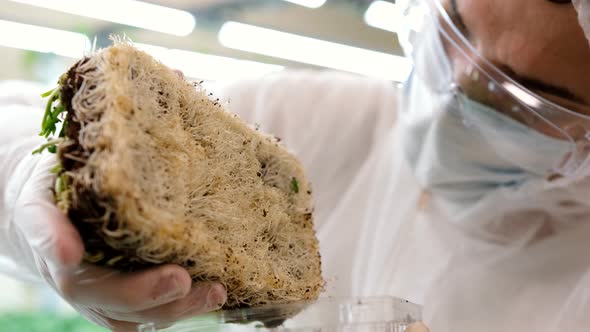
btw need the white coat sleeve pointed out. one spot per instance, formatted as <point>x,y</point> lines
<point>20,115</point>
<point>330,120</point>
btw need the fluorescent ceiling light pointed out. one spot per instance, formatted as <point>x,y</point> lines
<point>308,3</point>
<point>40,39</point>
<point>314,51</point>
<point>129,12</point>
<point>384,15</point>
<point>388,16</point>
<point>206,66</point>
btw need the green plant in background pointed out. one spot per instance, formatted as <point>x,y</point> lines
<point>44,67</point>
<point>85,29</point>
<point>29,60</point>
<point>45,322</point>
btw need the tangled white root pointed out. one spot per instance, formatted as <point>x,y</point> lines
<point>191,184</point>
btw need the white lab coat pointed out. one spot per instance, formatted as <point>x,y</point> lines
<point>342,127</point>
<point>381,233</point>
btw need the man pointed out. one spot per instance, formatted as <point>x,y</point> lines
<point>465,190</point>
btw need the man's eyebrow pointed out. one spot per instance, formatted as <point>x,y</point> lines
<point>529,82</point>
<point>538,85</point>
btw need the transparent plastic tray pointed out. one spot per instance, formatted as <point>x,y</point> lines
<point>378,314</point>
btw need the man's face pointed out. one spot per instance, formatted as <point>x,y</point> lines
<point>537,42</point>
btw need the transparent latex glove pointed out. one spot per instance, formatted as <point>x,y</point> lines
<point>42,240</point>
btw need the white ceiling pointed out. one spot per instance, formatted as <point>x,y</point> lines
<point>192,4</point>
<point>339,20</point>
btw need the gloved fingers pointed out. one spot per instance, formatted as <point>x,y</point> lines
<point>201,299</point>
<point>44,227</point>
<point>49,232</point>
<point>97,287</point>
<point>119,326</point>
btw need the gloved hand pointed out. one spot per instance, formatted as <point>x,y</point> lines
<point>43,240</point>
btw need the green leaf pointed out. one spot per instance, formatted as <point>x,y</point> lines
<point>56,169</point>
<point>61,184</point>
<point>50,145</point>
<point>48,123</point>
<point>49,130</point>
<point>294,186</point>
<point>51,117</point>
<point>57,110</point>
<point>48,93</point>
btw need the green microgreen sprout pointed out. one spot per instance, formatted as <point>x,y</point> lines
<point>294,186</point>
<point>61,183</point>
<point>51,118</point>
<point>54,114</point>
<point>50,145</point>
<point>56,169</point>
<point>48,93</point>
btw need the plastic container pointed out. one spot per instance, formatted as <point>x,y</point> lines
<point>382,314</point>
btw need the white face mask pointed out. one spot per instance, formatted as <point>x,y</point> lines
<point>463,153</point>
<point>462,150</point>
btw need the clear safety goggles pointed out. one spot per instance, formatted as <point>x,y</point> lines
<point>480,80</point>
